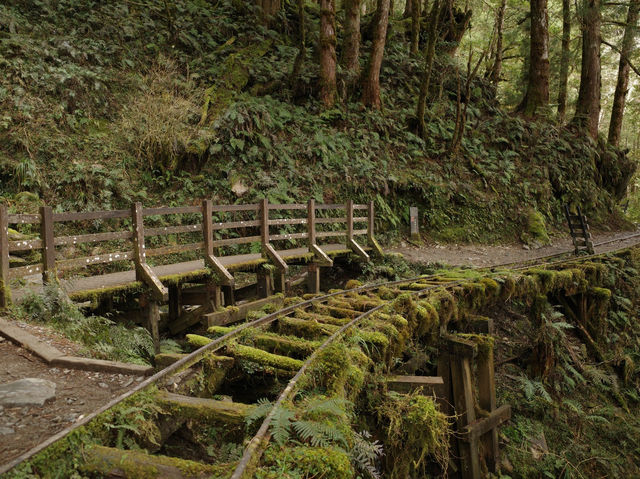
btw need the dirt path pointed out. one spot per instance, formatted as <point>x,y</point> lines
<point>483,255</point>
<point>77,394</point>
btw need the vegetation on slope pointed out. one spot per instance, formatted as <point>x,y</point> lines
<point>103,104</point>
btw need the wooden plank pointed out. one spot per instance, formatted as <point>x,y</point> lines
<point>462,383</point>
<point>189,318</point>
<point>23,271</point>
<point>242,240</point>
<point>377,250</point>
<point>487,401</point>
<point>264,221</point>
<point>235,224</point>
<point>288,236</point>
<point>360,219</point>
<point>48,245</point>
<point>481,325</point>
<point>349,208</point>
<point>98,259</point>
<point>327,206</point>
<point>285,206</point>
<point>173,249</point>
<point>168,230</point>
<point>324,221</point>
<point>143,272</point>
<point>92,238</point>
<point>483,426</point>
<point>313,278</point>
<point>239,313</point>
<point>459,347</point>
<point>5,264</point>
<point>311,222</point>
<point>357,249</point>
<point>177,210</point>
<point>360,232</point>
<point>360,206</point>
<point>228,208</point>
<point>275,258</point>
<point>21,219</point>
<point>288,221</point>
<point>430,385</point>
<point>153,320</point>
<point>330,234</point>
<point>89,215</point>
<point>209,258</point>
<point>139,255</point>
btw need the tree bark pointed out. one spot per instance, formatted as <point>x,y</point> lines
<point>351,55</point>
<point>302,51</point>
<point>371,87</point>
<point>328,52</point>
<point>496,69</point>
<point>408,7</point>
<point>269,9</point>
<point>564,60</point>
<point>415,27</point>
<point>537,94</point>
<point>434,18</point>
<point>622,86</point>
<point>588,105</point>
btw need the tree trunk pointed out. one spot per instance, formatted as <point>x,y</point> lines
<point>588,104</point>
<point>408,6</point>
<point>302,51</point>
<point>328,52</point>
<point>269,9</point>
<point>351,55</point>
<point>434,18</point>
<point>537,94</point>
<point>371,87</point>
<point>622,86</point>
<point>564,60</point>
<point>496,69</point>
<point>415,28</point>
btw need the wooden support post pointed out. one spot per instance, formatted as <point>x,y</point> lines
<point>413,223</point>
<point>264,283</point>
<point>48,246</point>
<point>313,278</point>
<point>320,256</point>
<point>5,291</point>
<point>264,221</point>
<point>228,294</point>
<point>222,274</point>
<point>213,293</point>
<point>377,250</point>
<point>487,401</point>
<point>144,273</point>
<point>351,243</point>
<point>175,305</point>
<point>279,276</point>
<point>151,310</point>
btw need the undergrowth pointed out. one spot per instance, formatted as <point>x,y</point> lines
<point>102,338</point>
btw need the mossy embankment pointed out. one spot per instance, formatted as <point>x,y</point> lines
<point>103,104</point>
<point>566,349</point>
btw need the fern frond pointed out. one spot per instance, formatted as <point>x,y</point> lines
<point>260,411</point>
<point>281,424</point>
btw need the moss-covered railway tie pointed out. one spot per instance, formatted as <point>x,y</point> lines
<point>315,349</point>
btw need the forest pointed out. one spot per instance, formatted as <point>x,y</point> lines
<point>481,114</point>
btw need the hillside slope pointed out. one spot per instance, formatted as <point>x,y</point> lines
<point>102,104</point>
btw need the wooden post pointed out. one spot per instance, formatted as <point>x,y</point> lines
<point>349,221</point>
<point>174,303</point>
<point>223,275</point>
<point>377,250</point>
<point>5,292</point>
<point>313,278</point>
<point>264,222</point>
<point>487,401</point>
<point>153,319</point>
<point>413,223</point>
<point>264,283</point>
<point>48,246</point>
<point>139,255</point>
<point>311,223</point>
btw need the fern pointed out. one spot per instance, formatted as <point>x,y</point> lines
<point>281,424</point>
<point>365,453</point>
<point>260,411</point>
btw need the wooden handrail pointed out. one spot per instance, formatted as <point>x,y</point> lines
<point>48,245</point>
<point>5,292</point>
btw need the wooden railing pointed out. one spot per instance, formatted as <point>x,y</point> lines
<point>130,237</point>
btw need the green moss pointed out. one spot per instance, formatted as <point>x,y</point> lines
<point>305,462</point>
<point>415,433</point>
<point>485,342</point>
<point>352,284</point>
<point>263,358</point>
<point>339,370</point>
<point>535,229</point>
<point>427,319</point>
<point>304,328</point>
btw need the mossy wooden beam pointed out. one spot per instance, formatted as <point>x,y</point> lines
<point>304,328</point>
<point>203,409</point>
<point>234,314</point>
<point>429,385</point>
<point>115,463</point>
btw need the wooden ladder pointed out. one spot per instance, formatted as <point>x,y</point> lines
<point>580,233</point>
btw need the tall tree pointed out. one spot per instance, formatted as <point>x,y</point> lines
<point>564,60</point>
<point>408,6</point>
<point>328,52</point>
<point>430,51</point>
<point>351,51</point>
<point>302,50</point>
<point>622,86</point>
<point>588,105</point>
<point>415,27</point>
<point>537,94</point>
<point>496,67</point>
<point>371,87</point>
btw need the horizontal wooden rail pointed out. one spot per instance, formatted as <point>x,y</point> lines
<point>235,224</point>
<point>173,249</point>
<point>288,221</point>
<point>23,219</point>
<point>229,208</point>
<point>324,221</point>
<point>24,245</point>
<point>360,207</point>
<point>331,207</point>
<point>292,206</point>
<point>288,236</point>
<point>68,264</point>
<point>90,215</point>
<point>178,210</point>
<point>92,238</point>
<point>240,240</point>
<point>169,230</point>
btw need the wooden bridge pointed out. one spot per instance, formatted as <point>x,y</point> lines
<point>180,255</point>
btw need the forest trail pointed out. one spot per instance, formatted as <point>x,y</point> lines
<point>493,255</point>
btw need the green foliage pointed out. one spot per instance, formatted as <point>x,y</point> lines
<point>102,337</point>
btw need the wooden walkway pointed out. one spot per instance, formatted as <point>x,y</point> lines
<point>147,252</point>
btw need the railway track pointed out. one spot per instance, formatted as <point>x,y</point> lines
<point>269,356</point>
